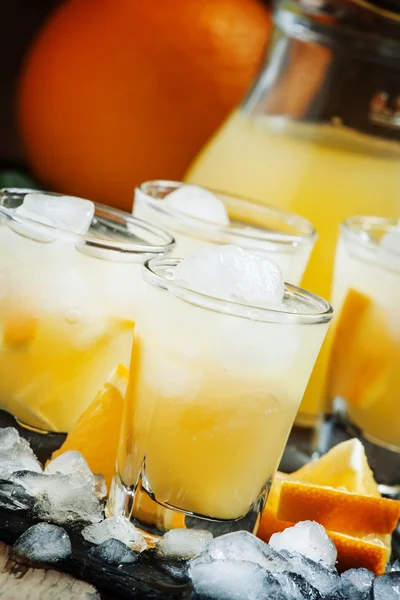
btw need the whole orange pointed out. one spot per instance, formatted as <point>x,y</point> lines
<point>115,92</point>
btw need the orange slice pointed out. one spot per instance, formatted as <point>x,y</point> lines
<point>353,514</point>
<point>343,470</point>
<point>349,322</point>
<point>362,348</point>
<point>96,433</point>
<point>344,466</point>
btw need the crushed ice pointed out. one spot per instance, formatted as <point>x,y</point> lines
<point>287,575</point>
<point>183,543</point>
<point>15,454</point>
<point>63,499</point>
<point>309,539</point>
<point>115,528</point>
<point>72,463</point>
<point>297,565</point>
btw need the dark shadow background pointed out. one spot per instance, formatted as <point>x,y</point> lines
<point>20,19</point>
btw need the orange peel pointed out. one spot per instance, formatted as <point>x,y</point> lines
<point>343,478</point>
<point>353,514</point>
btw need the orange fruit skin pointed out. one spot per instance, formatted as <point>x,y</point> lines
<point>353,514</point>
<point>114,93</point>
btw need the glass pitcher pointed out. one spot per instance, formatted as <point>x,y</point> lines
<point>319,132</point>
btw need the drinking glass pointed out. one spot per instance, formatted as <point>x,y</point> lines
<point>213,391</point>
<point>364,367</point>
<point>283,236</point>
<point>68,304</point>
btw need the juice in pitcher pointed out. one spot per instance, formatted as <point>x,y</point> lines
<point>319,134</point>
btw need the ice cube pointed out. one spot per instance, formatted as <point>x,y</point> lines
<point>183,543</point>
<point>64,212</point>
<point>44,542</point>
<point>235,547</point>
<point>231,273</point>
<point>9,437</point>
<point>225,580</point>
<point>33,482</point>
<point>100,486</point>
<point>173,377</point>
<point>195,201</point>
<point>117,528</point>
<point>242,546</point>
<point>72,462</point>
<point>114,552</point>
<point>15,497</point>
<point>325,581</point>
<point>62,499</point>
<point>391,241</point>
<point>356,584</point>
<point>15,454</point>
<point>386,587</point>
<point>10,463</point>
<point>390,249</point>
<point>309,539</point>
<point>295,587</point>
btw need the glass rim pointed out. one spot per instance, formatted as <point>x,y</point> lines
<point>354,227</point>
<point>113,216</point>
<point>285,241</point>
<point>233,308</point>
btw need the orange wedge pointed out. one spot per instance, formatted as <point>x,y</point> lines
<point>96,433</point>
<point>345,466</point>
<point>353,514</point>
<point>362,349</point>
<point>349,322</point>
<point>342,472</point>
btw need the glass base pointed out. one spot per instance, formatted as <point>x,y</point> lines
<point>155,519</point>
<point>383,460</point>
